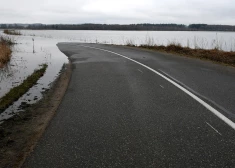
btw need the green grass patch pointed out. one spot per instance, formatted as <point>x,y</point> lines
<point>15,93</point>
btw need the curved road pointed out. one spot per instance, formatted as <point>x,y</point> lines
<point>128,107</point>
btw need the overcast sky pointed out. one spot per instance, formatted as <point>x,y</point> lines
<point>118,11</point>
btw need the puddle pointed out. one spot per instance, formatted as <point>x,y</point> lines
<point>23,63</point>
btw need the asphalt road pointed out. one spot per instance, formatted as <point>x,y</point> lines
<point>118,113</point>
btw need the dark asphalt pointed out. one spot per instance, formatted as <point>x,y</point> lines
<point>117,113</point>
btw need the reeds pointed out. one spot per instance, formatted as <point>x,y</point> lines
<point>12,32</point>
<point>130,43</point>
<point>5,50</point>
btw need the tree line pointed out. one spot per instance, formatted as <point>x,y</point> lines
<point>135,27</point>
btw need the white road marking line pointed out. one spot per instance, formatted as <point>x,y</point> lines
<point>203,103</point>
<point>196,93</point>
<point>166,74</point>
<point>206,69</point>
<point>162,86</point>
<point>214,128</point>
<point>140,70</point>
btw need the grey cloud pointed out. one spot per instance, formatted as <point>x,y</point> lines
<point>118,11</point>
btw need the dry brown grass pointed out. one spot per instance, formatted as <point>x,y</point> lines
<point>5,53</point>
<point>212,54</point>
<point>5,49</point>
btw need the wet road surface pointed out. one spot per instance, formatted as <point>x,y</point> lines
<point>118,113</point>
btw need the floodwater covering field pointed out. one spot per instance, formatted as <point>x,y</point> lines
<point>36,47</point>
<point>25,59</point>
<point>193,39</point>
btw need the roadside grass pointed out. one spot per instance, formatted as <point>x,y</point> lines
<point>5,49</point>
<point>15,93</point>
<point>12,32</point>
<point>208,54</point>
<point>130,43</point>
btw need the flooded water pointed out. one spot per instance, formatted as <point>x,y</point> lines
<point>198,39</point>
<point>24,61</point>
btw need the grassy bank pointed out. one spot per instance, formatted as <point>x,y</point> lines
<point>212,54</point>
<point>12,32</point>
<point>16,92</point>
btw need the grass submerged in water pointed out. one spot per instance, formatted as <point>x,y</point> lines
<point>15,93</point>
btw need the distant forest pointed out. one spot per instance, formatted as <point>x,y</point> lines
<point>137,27</point>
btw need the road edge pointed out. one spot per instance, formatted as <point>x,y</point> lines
<point>58,92</point>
